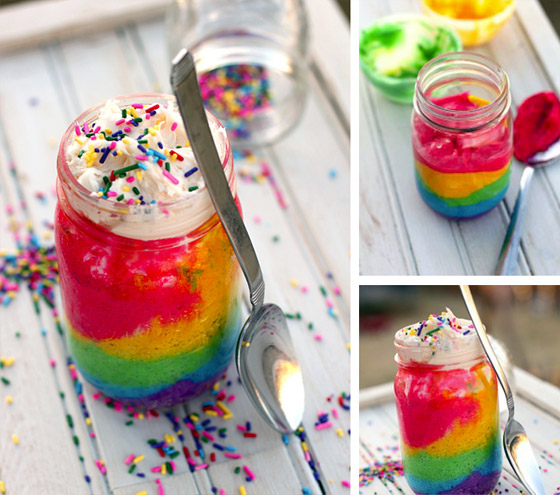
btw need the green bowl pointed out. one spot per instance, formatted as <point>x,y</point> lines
<point>394,49</point>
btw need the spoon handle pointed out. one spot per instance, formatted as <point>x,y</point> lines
<point>510,248</point>
<point>481,332</point>
<point>184,82</point>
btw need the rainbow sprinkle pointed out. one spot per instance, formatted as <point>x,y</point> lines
<point>30,264</point>
<point>388,469</point>
<point>101,145</point>
<point>386,465</point>
<point>263,175</point>
<point>236,94</point>
<point>436,324</point>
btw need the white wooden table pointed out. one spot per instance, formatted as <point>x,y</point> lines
<point>399,234</point>
<point>537,407</point>
<point>49,80</point>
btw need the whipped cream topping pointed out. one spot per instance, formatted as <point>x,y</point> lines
<point>137,154</point>
<point>438,340</point>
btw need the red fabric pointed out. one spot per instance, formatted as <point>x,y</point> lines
<point>537,125</point>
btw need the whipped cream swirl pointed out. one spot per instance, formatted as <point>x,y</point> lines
<point>439,339</point>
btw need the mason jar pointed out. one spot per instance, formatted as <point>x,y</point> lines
<point>151,293</point>
<point>447,406</point>
<point>462,134</point>
<point>252,59</point>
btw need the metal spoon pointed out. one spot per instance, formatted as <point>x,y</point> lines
<point>510,248</point>
<point>265,357</point>
<point>516,443</point>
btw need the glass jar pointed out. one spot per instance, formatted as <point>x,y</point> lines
<point>151,293</point>
<point>449,421</point>
<point>252,60</point>
<point>462,134</point>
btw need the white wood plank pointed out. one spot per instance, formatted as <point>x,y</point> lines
<point>33,122</point>
<point>99,67</point>
<point>63,18</point>
<point>381,218</point>
<point>543,394</point>
<point>29,466</point>
<point>117,441</point>
<point>330,50</point>
<point>57,353</point>
<point>377,395</point>
<point>443,256</point>
<point>378,439</point>
<point>17,92</point>
<point>150,41</point>
<point>254,451</point>
<point>7,198</point>
<point>544,40</point>
<point>175,484</point>
<point>543,431</point>
<point>322,206</point>
<point>268,479</point>
<point>325,368</point>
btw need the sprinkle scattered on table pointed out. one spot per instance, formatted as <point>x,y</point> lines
<point>31,264</point>
<point>34,265</point>
<point>388,467</point>
<point>258,170</point>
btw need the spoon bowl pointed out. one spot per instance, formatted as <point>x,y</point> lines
<point>267,368</point>
<point>521,457</point>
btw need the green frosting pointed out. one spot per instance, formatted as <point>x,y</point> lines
<point>392,52</point>
<point>399,48</point>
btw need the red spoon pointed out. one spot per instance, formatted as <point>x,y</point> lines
<point>536,143</point>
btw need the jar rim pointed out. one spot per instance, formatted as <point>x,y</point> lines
<point>486,114</point>
<point>466,362</point>
<point>82,200</point>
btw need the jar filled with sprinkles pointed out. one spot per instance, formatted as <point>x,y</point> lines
<point>150,284</point>
<point>252,61</point>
